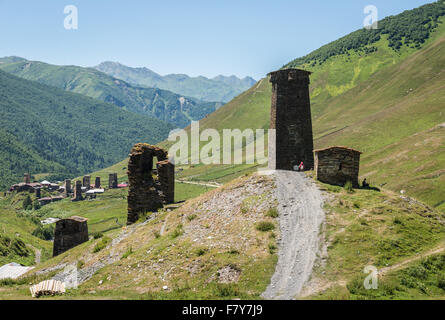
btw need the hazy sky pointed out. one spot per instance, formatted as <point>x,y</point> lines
<point>195,37</point>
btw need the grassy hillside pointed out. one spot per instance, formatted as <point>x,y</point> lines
<point>48,130</point>
<point>161,104</point>
<point>386,102</point>
<point>202,250</point>
<point>216,89</point>
<point>401,237</point>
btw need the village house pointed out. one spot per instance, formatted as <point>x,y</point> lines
<point>337,165</point>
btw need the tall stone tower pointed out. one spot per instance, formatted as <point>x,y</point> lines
<point>292,142</point>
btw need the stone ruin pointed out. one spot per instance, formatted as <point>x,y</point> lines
<point>292,142</point>
<point>97,183</point>
<point>337,165</point>
<point>67,187</point>
<point>148,192</point>
<point>27,178</point>
<point>112,181</point>
<point>77,191</point>
<point>86,182</point>
<point>69,233</point>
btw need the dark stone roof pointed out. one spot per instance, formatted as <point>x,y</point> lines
<point>337,147</point>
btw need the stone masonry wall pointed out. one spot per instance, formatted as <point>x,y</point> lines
<point>69,233</point>
<point>291,118</point>
<point>166,176</point>
<point>337,165</point>
<point>77,191</point>
<point>143,195</point>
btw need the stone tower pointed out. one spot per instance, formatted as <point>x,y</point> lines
<point>292,142</point>
<point>69,233</point>
<point>143,195</point>
<point>97,182</point>
<point>112,181</point>
<point>67,187</point>
<point>87,182</point>
<point>77,191</point>
<point>27,178</point>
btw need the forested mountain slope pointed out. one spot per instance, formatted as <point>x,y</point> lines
<point>161,104</point>
<point>48,130</point>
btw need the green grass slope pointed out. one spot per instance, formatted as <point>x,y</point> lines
<point>161,104</point>
<point>48,130</point>
<point>388,103</point>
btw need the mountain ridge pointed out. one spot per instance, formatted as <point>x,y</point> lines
<point>162,104</point>
<point>219,88</point>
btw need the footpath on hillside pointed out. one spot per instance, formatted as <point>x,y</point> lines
<point>300,207</point>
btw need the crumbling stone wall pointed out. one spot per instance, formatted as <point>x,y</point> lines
<point>337,165</point>
<point>87,182</point>
<point>77,191</point>
<point>291,118</point>
<point>69,233</point>
<point>166,177</point>
<point>97,183</point>
<point>112,181</point>
<point>143,193</point>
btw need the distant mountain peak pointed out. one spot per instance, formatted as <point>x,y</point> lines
<point>220,88</point>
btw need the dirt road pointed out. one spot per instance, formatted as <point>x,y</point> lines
<point>300,218</point>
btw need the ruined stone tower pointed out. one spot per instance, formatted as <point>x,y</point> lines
<point>77,191</point>
<point>143,192</point>
<point>292,141</point>
<point>67,187</point>
<point>87,182</point>
<point>112,181</point>
<point>166,176</point>
<point>69,233</point>
<point>97,182</point>
<point>27,178</point>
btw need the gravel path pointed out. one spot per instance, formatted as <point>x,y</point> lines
<point>301,215</point>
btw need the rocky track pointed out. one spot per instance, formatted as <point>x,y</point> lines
<point>300,217</point>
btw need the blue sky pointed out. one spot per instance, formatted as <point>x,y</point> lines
<point>195,37</point>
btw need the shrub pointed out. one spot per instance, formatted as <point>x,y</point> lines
<point>191,217</point>
<point>272,248</point>
<point>226,290</point>
<point>272,212</point>
<point>98,235</point>
<point>348,187</point>
<point>126,254</point>
<point>27,203</point>
<point>101,244</point>
<point>201,251</point>
<point>44,232</point>
<point>265,226</point>
<point>177,232</point>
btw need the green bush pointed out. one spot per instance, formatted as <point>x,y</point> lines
<point>272,212</point>
<point>348,187</point>
<point>265,226</point>
<point>201,251</point>
<point>44,232</point>
<point>27,203</point>
<point>101,244</point>
<point>127,253</point>
<point>177,232</point>
<point>98,235</point>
